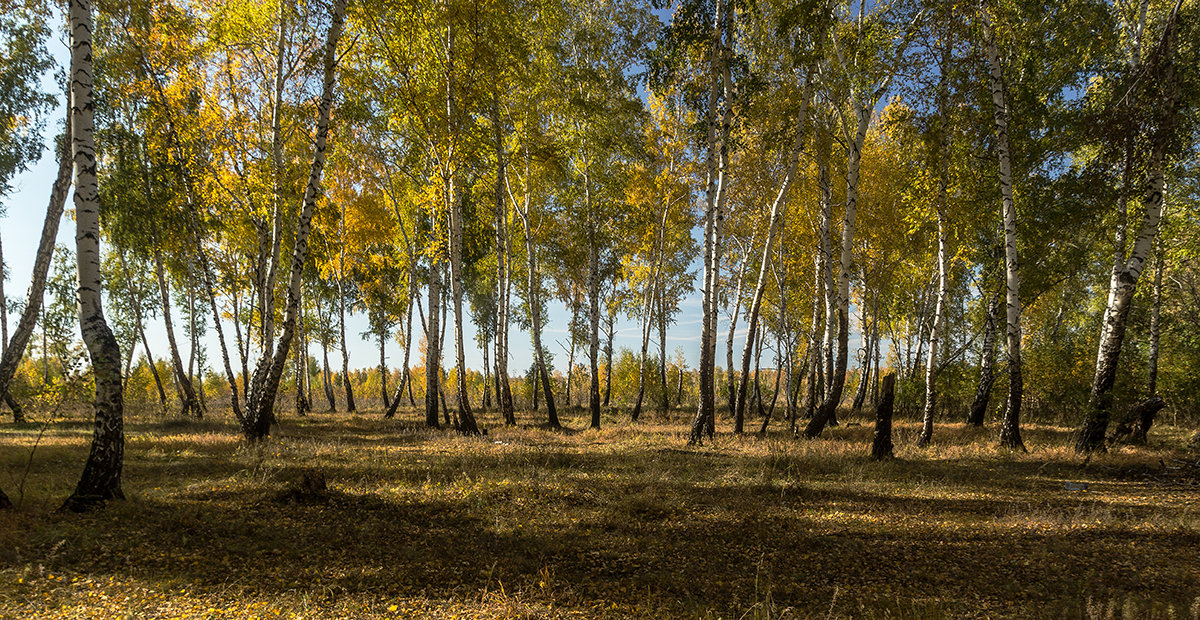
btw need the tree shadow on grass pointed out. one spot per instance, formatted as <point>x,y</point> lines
<point>688,543</point>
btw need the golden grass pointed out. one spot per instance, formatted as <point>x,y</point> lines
<point>622,522</point>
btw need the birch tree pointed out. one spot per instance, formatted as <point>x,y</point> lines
<point>101,479</point>
<point>1157,90</point>
<point>1010,428</point>
<point>265,385</point>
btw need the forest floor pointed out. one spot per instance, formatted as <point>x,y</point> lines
<point>623,522</point>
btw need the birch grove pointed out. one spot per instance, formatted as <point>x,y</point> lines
<point>549,214</point>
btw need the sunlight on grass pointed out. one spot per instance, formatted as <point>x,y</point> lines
<point>623,522</point>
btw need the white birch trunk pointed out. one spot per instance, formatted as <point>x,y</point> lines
<point>717,162</point>
<point>260,408</point>
<point>1010,429</point>
<point>101,479</point>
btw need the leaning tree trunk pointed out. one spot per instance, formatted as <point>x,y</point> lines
<point>1144,422</point>
<point>101,479</point>
<point>186,392</point>
<point>41,265</point>
<point>987,376</point>
<point>1136,425</point>
<point>535,309</point>
<point>413,299</point>
<point>1161,68</point>
<point>406,375</point>
<point>778,208</point>
<point>1010,429</point>
<point>260,410</point>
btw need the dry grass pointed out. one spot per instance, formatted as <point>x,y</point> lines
<point>622,522</point>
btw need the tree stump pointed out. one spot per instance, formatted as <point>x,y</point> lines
<point>1136,424</point>
<point>881,447</point>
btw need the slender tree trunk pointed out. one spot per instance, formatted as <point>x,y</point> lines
<point>466,418</point>
<point>987,377</point>
<point>326,373</point>
<point>935,333</point>
<point>716,164</point>
<point>101,479</point>
<point>1155,323</point>
<point>433,354</point>
<point>535,309</point>
<point>327,379</point>
<point>383,371</point>
<point>412,301</point>
<point>828,410</point>
<point>875,383</point>
<point>864,369</point>
<point>608,353</point>
<point>267,292</point>
<point>487,377</point>
<point>641,393</point>
<point>731,377</point>
<point>350,405</point>
<point>216,312</point>
<point>1010,429</point>
<point>662,355</point>
<point>241,342</point>
<point>261,406</point>
<point>303,404</point>
<point>186,392</point>
<point>815,354</point>
<point>15,350</point>
<point>3,306</point>
<point>571,352</point>
<point>679,387</point>
<point>778,208</point>
<point>442,378</point>
<point>593,316</point>
<point>503,275</point>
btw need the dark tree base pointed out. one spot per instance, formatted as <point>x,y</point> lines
<point>881,447</point>
<point>86,503</point>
